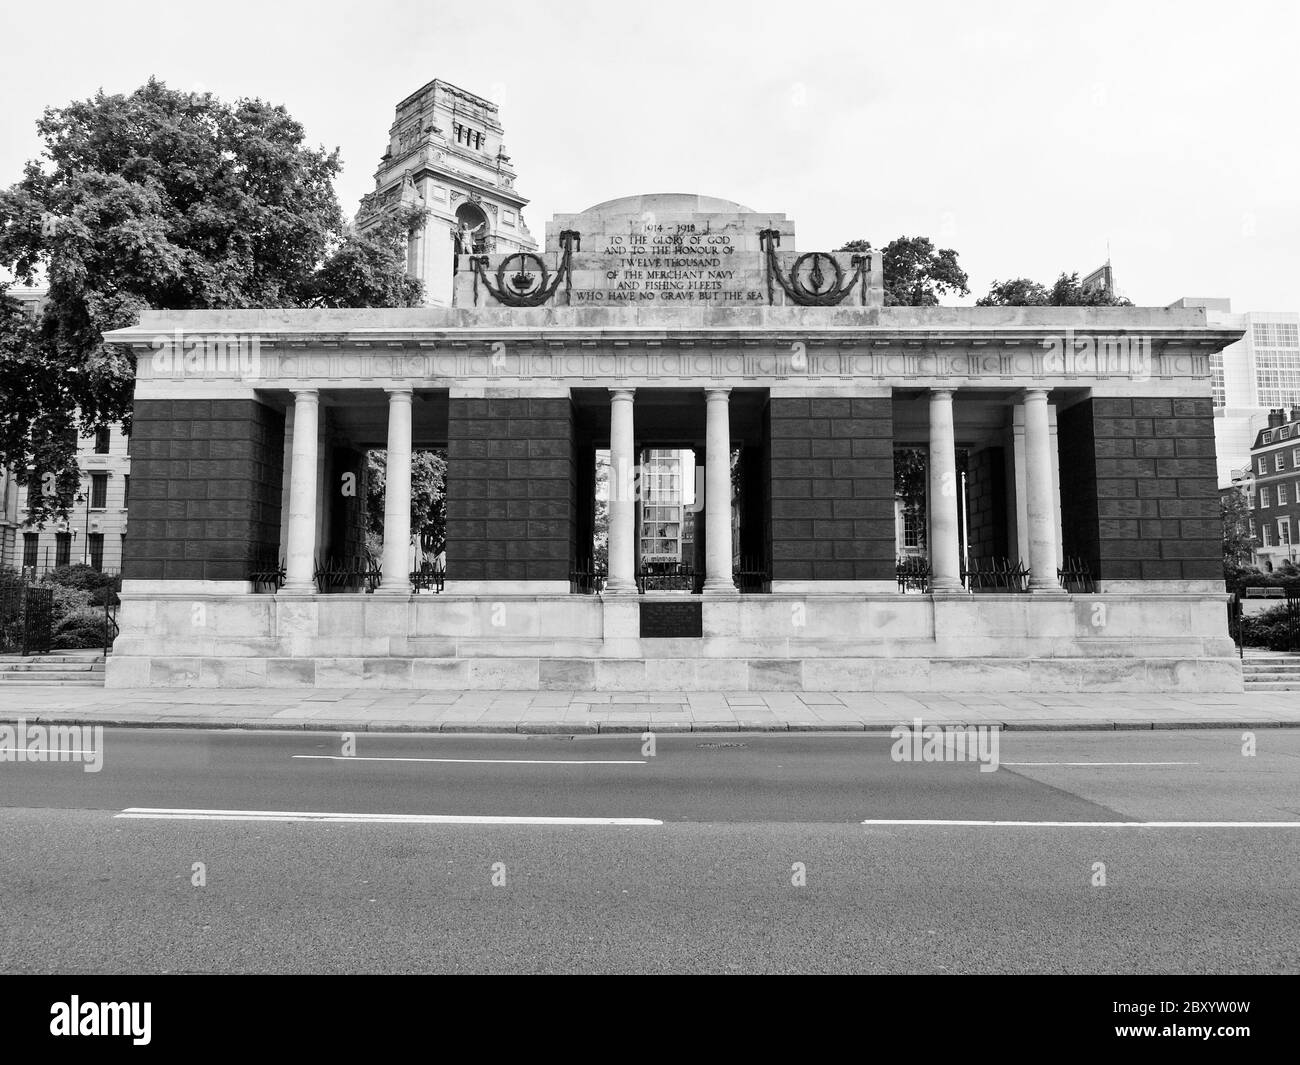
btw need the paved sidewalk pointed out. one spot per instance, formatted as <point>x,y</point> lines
<point>377,709</point>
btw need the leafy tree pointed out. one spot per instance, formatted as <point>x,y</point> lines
<point>1066,292</point>
<point>1018,292</point>
<point>369,269</point>
<point>160,199</point>
<point>428,496</point>
<point>600,532</point>
<point>1238,544</point>
<point>916,273</point>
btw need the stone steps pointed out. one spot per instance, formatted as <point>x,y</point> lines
<point>65,670</point>
<point>1271,671</point>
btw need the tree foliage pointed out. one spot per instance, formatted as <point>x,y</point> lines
<point>916,272</point>
<point>1066,292</point>
<point>428,495</point>
<point>1238,544</point>
<point>161,199</point>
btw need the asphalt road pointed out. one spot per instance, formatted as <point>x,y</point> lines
<point>700,878</point>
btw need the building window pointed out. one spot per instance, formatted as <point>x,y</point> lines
<point>30,540</point>
<point>33,490</point>
<point>126,490</point>
<point>1295,457</point>
<point>101,441</point>
<point>62,548</point>
<point>1264,496</point>
<point>98,491</point>
<point>1281,495</point>
<point>1267,540</point>
<point>97,551</point>
<point>1267,438</point>
<point>1263,465</point>
<point>1279,462</point>
<point>1284,532</point>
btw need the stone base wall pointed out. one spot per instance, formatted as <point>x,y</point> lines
<point>1144,642</point>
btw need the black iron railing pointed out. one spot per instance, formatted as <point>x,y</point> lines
<point>428,578</point>
<point>752,576</point>
<point>1076,577</point>
<point>587,578</point>
<point>266,575</point>
<point>669,577</point>
<point>912,573</point>
<point>995,575</point>
<point>347,575</point>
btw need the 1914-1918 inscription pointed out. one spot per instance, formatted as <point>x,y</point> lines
<point>672,263</point>
<point>669,621</point>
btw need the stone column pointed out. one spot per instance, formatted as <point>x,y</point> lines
<point>945,551</point>
<point>300,553</point>
<point>1039,504</point>
<point>622,504</point>
<point>397,497</point>
<point>717,492</point>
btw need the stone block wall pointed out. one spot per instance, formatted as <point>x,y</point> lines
<point>986,503</point>
<point>511,489</point>
<point>205,488</point>
<point>832,488</point>
<point>1139,488</point>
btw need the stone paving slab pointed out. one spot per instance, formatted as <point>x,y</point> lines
<point>600,712</point>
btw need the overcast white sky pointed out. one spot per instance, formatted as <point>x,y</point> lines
<point>1025,137</point>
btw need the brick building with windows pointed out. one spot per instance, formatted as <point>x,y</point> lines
<point>1275,491</point>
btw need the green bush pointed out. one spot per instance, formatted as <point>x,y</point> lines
<point>69,601</point>
<point>81,628</point>
<point>1269,628</point>
<point>101,586</point>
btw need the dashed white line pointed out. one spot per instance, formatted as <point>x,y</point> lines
<point>473,761</point>
<point>167,814</point>
<point>1087,824</point>
<point>1099,763</point>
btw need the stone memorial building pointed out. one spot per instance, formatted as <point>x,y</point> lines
<point>1067,536</point>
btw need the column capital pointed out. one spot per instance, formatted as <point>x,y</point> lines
<point>1035,394</point>
<point>301,394</point>
<point>942,393</point>
<point>398,392</point>
<point>717,393</point>
<point>621,393</point>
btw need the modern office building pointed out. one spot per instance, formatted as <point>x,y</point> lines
<point>1259,373</point>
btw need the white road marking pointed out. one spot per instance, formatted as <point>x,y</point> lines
<point>1092,824</point>
<point>474,761</point>
<point>167,814</point>
<point>1099,763</point>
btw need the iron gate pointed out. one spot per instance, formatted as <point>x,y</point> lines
<point>38,620</point>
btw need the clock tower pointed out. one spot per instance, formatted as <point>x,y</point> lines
<point>445,153</point>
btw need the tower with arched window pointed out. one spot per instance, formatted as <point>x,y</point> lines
<point>445,152</point>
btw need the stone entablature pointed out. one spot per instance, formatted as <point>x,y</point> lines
<point>894,347</point>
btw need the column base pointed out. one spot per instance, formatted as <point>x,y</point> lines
<point>946,586</point>
<point>297,588</point>
<point>719,587</point>
<point>392,592</point>
<point>1046,589</point>
<point>620,587</point>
